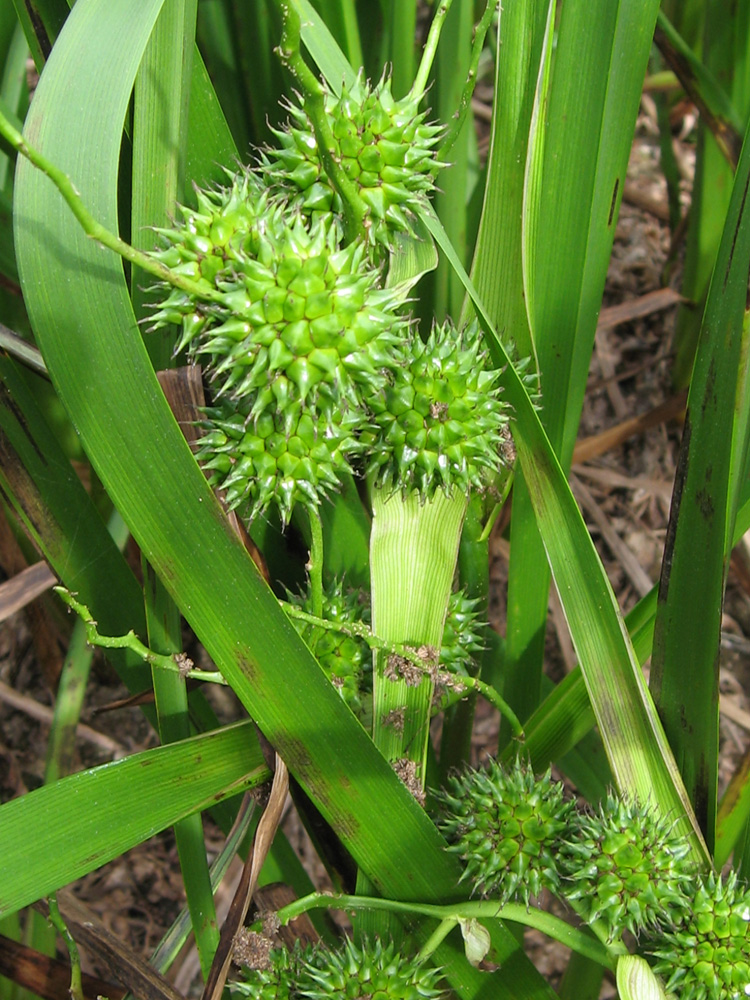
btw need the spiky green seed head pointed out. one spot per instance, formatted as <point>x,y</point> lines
<point>344,658</point>
<point>463,638</point>
<point>203,242</point>
<point>384,146</point>
<point>625,866</point>
<point>371,971</point>
<point>507,825</point>
<point>227,221</point>
<point>438,422</point>
<point>297,313</point>
<point>707,956</point>
<point>283,458</point>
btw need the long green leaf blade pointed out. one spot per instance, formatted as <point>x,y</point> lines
<point>117,806</point>
<point>574,190</point>
<point>685,665</point>
<point>637,749</point>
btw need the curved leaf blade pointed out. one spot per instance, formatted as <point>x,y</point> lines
<point>100,813</point>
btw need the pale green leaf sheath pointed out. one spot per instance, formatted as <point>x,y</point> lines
<point>437,429</point>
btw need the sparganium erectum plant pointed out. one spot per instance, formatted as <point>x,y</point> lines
<point>363,426</point>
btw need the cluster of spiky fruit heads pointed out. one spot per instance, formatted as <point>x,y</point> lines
<point>314,368</point>
<point>356,972</point>
<point>621,867</point>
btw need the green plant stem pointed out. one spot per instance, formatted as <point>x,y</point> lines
<point>70,693</point>
<point>440,933</point>
<point>169,946</point>
<point>174,663</point>
<point>454,130</point>
<point>430,48</point>
<point>572,937</point>
<point>315,563</point>
<point>76,985</point>
<point>458,685</point>
<point>94,229</point>
<point>164,626</point>
<point>290,54</point>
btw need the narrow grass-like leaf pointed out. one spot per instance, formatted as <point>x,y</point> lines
<point>496,271</point>
<point>716,108</point>
<point>102,812</point>
<point>639,755</point>
<point>210,143</point>
<point>160,127</point>
<point>346,538</point>
<point>164,626</point>
<point>733,813</point>
<point>685,663</point>
<point>724,44</point>
<point>451,70</point>
<point>14,92</point>
<point>341,17</point>
<point>102,373</point>
<point>51,503</point>
<point>42,23</point>
<point>323,49</point>
<point>397,44</point>
<point>574,188</point>
<point>566,715</point>
<point>71,690</point>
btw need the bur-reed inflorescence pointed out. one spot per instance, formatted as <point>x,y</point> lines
<point>705,953</point>
<point>438,421</point>
<point>355,972</point>
<point>385,146</point>
<point>625,866</point>
<point>507,825</point>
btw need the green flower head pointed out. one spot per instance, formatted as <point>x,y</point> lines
<point>507,826</point>
<point>707,954</point>
<point>439,420</point>
<point>624,865</point>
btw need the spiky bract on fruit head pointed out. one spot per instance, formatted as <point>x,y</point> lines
<point>298,314</point>
<point>625,866</point>
<point>371,971</point>
<point>384,146</point>
<point>707,955</point>
<point>344,658</point>
<point>437,424</point>
<point>289,457</point>
<point>507,825</point>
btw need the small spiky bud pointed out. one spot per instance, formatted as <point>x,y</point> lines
<point>288,457</point>
<point>625,866</point>
<point>438,421</point>
<point>366,972</point>
<point>344,658</point>
<point>462,635</point>
<point>384,146</point>
<point>507,825</point>
<point>707,956</point>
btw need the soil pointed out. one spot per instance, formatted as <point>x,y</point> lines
<point>625,494</point>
